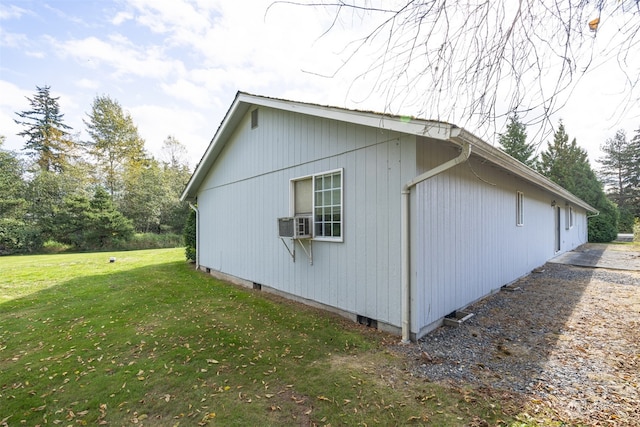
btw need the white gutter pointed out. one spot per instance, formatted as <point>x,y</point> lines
<point>197,260</point>
<point>406,247</point>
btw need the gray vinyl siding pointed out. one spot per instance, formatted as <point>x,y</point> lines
<point>466,242</point>
<point>248,188</point>
<point>463,234</point>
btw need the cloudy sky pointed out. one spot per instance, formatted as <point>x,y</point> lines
<point>175,66</point>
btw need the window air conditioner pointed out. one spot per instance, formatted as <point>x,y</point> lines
<point>297,227</point>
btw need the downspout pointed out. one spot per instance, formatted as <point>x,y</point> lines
<point>406,247</point>
<point>197,235</point>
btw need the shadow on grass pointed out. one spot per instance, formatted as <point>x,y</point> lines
<point>166,344</point>
<point>161,341</point>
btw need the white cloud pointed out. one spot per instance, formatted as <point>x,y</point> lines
<point>11,12</point>
<point>88,84</point>
<point>12,96</point>
<point>121,17</point>
<point>121,55</point>
<point>155,123</point>
<point>12,39</point>
<point>188,91</point>
<point>178,17</point>
<point>35,54</point>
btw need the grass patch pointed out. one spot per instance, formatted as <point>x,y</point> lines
<point>147,340</point>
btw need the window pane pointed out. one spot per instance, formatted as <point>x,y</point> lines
<point>302,197</point>
<point>336,214</point>
<point>328,205</point>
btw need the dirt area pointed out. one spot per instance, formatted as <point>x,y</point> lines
<point>564,342</point>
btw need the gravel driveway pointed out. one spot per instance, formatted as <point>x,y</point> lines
<point>565,341</point>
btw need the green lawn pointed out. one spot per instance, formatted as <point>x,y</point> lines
<point>149,341</point>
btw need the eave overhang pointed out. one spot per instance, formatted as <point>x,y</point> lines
<point>243,102</point>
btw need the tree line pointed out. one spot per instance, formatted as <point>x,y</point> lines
<point>614,189</point>
<point>102,193</point>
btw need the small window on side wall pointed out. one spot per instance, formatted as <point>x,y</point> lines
<point>519,208</point>
<point>254,119</point>
<point>569,220</point>
<point>320,196</point>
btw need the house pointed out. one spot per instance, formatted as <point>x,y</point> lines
<point>392,221</point>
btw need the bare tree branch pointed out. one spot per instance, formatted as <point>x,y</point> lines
<point>477,61</point>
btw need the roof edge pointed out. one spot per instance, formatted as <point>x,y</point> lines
<point>402,124</point>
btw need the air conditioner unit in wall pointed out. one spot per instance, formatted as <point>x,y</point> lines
<point>297,227</point>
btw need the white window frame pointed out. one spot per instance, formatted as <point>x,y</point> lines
<point>570,221</point>
<point>519,209</point>
<point>292,198</point>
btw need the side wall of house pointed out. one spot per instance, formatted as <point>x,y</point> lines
<point>466,242</point>
<point>248,188</point>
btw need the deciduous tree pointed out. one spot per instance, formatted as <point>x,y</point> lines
<point>17,235</point>
<point>176,175</point>
<point>115,142</point>
<point>12,185</point>
<point>482,59</point>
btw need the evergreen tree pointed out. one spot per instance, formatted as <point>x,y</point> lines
<point>567,164</point>
<point>90,223</point>
<point>620,173</point>
<point>634,172</point>
<point>48,139</point>
<point>45,194</point>
<point>107,225</point>
<point>17,235</point>
<point>514,142</point>
<point>115,142</point>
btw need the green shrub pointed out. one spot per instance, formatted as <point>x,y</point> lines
<point>636,230</point>
<point>17,237</point>
<point>53,247</point>
<point>625,225</point>
<point>150,241</point>
<point>189,235</point>
<point>604,227</point>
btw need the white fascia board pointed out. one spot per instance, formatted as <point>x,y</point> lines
<point>243,101</point>
<point>505,161</point>
<point>430,129</point>
<point>227,126</point>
